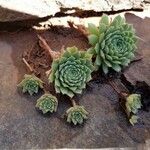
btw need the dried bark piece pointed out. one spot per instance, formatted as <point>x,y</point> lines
<point>27,65</point>
<point>44,45</point>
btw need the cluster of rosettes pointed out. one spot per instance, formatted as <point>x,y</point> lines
<point>71,71</point>
<point>31,84</point>
<point>47,103</point>
<point>113,43</point>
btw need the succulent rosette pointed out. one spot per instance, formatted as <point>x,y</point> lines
<point>71,71</point>
<point>133,104</point>
<point>133,119</point>
<point>76,114</point>
<point>31,84</point>
<point>47,103</point>
<point>113,43</point>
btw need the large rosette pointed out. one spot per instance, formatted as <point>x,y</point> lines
<point>113,43</point>
<point>71,71</point>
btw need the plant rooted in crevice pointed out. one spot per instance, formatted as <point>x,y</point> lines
<point>47,103</point>
<point>113,43</point>
<point>143,89</point>
<point>130,103</point>
<point>31,84</point>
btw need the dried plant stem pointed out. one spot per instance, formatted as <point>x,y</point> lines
<point>48,72</point>
<point>80,28</point>
<point>28,65</point>
<point>44,45</point>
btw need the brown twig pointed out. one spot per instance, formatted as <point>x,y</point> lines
<point>48,72</point>
<point>44,45</point>
<point>80,28</point>
<point>27,64</point>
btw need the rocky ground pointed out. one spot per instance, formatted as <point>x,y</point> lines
<point>22,127</point>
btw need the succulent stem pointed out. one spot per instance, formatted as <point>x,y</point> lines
<point>27,64</point>
<point>45,91</point>
<point>44,45</point>
<point>73,102</point>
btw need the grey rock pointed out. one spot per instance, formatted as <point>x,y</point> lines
<point>22,127</point>
<point>14,10</point>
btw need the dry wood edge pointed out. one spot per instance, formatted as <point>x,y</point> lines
<point>27,65</point>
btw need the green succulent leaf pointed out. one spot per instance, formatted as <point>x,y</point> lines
<point>72,72</point>
<point>31,84</point>
<point>104,20</point>
<point>134,119</point>
<point>47,103</point>
<point>115,43</point>
<point>93,39</point>
<point>93,29</point>
<point>133,103</point>
<point>76,114</point>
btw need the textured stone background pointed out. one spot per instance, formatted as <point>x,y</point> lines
<point>12,10</point>
<point>22,127</point>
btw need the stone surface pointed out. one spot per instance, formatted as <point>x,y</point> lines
<point>22,127</point>
<point>100,5</point>
<point>140,71</point>
<point>13,10</point>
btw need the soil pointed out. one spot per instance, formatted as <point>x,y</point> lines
<point>21,127</point>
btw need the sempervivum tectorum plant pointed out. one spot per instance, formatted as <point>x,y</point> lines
<point>133,104</point>
<point>71,71</point>
<point>113,43</point>
<point>47,103</point>
<point>31,84</point>
<point>76,114</point>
